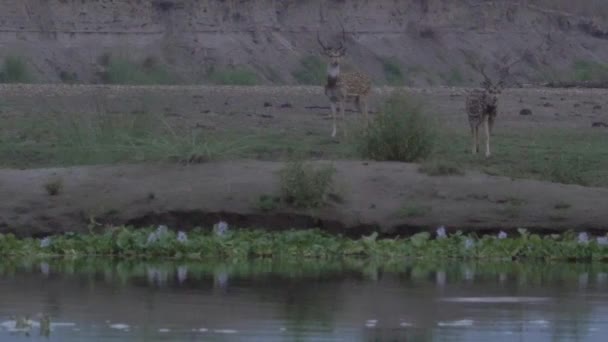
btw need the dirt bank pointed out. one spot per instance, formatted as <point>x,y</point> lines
<point>71,40</point>
<point>393,197</point>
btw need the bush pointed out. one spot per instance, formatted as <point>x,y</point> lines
<point>304,186</point>
<point>236,76</point>
<point>311,71</point>
<point>392,72</point>
<point>124,71</point>
<point>14,70</point>
<point>400,132</point>
<point>441,168</point>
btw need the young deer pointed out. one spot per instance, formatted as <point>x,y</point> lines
<point>343,87</point>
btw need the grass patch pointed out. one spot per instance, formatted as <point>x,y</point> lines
<point>555,155</point>
<point>125,71</point>
<point>101,138</point>
<point>562,205</point>
<point>392,71</point>
<point>234,76</point>
<point>53,187</point>
<point>412,210</point>
<point>441,168</point>
<point>14,70</point>
<point>268,203</point>
<point>304,186</point>
<point>454,78</point>
<point>311,71</point>
<point>400,132</point>
<point>565,169</point>
<point>589,71</point>
<point>237,244</point>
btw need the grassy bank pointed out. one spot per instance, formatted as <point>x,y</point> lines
<point>570,156</point>
<point>225,243</point>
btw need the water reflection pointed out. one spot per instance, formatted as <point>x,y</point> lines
<point>355,300</point>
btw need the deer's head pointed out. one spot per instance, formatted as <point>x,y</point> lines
<point>335,54</point>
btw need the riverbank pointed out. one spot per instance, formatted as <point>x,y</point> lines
<point>389,197</point>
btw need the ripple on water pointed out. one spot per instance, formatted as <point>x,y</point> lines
<point>494,300</point>
<point>459,323</point>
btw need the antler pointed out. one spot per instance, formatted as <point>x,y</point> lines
<point>477,66</point>
<point>341,48</point>
<point>506,66</point>
<point>325,48</point>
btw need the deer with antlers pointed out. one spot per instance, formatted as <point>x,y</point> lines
<point>343,87</point>
<point>482,104</point>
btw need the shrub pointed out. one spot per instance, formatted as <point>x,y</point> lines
<point>304,186</point>
<point>441,168</point>
<point>53,187</point>
<point>400,132</point>
<point>310,71</point>
<point>236,76</point>
<point>392,71</point>
<point>14,70</point>
<point>124,71</point>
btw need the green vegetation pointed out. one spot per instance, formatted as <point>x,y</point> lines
<point>311,71</point>
<point>556,155</point>
<point>73,139</point>
<point>550,154</point>
<point>454,78</point>
<point>441,168</point>
<point>124,71</point>
<point>392,71</point>
<point>268,202</point>
<point>53,187</point>
<point>412,210</point>
<point>303,244</point>
<point>304,186</point>
<point>589,71</point>
<point>234,76</point>
<point>401,132</point>
<point>14,70</point>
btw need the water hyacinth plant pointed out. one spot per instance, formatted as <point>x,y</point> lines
<point>220,242</point>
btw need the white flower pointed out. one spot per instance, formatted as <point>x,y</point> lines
<point>602,241</point>
<point>221,228</point>
<point>583,238</point>
<point>161,230</point>
<point>46,242</point>
<point>468,243</point>
<point>152,238</point>
<point>182,273</point>
<point>441,233</point>
<point>182,237</point>
<point>502,235</point>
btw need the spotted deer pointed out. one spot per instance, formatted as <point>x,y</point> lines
<point>482,108</point>
<point>482,104</point>
<point>344,87</point>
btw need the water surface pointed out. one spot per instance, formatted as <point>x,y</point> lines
<point>105,300</point>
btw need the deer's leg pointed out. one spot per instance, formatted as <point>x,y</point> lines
<point>487,129</point>
<point>363,109</point>
<point>342,110</point>
<point>474,138</point>
<point>332,104</point>
<point>491,119</point>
